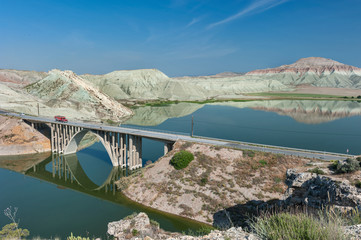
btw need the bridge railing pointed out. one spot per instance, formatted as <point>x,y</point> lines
<point>272,146</point>
<point>154,130</point>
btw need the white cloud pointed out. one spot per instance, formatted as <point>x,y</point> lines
<point>256,7</point>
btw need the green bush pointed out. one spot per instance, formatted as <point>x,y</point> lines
<point>181,159</point>
<point>317,170</point>
<point>358,183</point>
<point>135,232</point>
<point>263,162</point>
<point>347,166</point>
<point>296,226</point>
<point>71,237</point>
<point>11,231</point>
<point>249,153</point>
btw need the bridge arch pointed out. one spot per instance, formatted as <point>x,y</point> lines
<point>77,172</point>
<point>74,141</point>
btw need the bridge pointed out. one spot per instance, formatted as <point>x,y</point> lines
<point>124,145</point>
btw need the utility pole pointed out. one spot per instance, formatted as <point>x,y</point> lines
<point>192,127</point>
<point>38,110</point>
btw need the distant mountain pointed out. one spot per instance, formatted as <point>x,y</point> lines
<point>94,97</point>
<point>20,78</point>
<point>315,71</point>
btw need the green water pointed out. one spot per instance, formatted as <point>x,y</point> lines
<point>51,206</point>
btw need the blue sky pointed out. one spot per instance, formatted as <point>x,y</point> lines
<point>178,37</point>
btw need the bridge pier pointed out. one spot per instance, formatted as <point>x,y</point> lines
<point>168,146</point>
<point>125,150</point>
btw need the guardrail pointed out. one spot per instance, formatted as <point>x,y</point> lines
<point>275,147</point>
<point>153,130</point>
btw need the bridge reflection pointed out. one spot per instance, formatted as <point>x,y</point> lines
<point>67,172</point>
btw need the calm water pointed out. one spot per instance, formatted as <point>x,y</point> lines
<point>327,132</point>
<point>51,206</point>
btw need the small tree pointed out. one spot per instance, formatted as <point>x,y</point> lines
<point>181,159</point>
<point>12,231</point>
<point>347,166</point>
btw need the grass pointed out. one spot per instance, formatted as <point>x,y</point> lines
<point>299,225</point>
<point>295,95</point>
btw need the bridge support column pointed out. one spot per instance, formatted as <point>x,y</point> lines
<point>168,146</point>
<point>122,151</point>
<point>130,152</point>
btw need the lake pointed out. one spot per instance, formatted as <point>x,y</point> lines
<point>54,202</point>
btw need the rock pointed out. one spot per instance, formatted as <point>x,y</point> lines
<point>138,225</point>
<point>124,229</point>
<point>353,231</point>
<point>316,191</point>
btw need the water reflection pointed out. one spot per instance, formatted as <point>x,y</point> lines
<point>66,171</point>
<point>304,111</point>
<point>71,211</point>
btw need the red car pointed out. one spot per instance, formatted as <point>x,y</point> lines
<point>60,119</point>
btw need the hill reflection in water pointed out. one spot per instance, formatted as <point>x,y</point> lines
<point>304,111</point>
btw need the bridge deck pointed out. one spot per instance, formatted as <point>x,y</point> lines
<point>164,137</point>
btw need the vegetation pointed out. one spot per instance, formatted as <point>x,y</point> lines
<point>358,184</point>
<point>317,170</point>
<point>11,231</point>
<point>181,159</point>
<point>71,237</point>
<point>199,232</point>
<point>301,225</point>
<point>111,122</point>
<point>135,232</point>
<point>249,153</point>
<point>290,94</point>
<point>347,166</point>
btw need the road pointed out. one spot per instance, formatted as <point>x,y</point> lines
<point>172,137</point>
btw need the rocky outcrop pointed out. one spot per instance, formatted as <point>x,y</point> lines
<point>354,232</point>
<point>18,138</point>
<point>317,191</point>
<point>139,227</point>
<point>64,89</point>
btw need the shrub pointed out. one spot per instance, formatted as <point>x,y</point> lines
<point>204,181</point>
<point>11,231</point>
<point>249,153</point>
<point>358,183</point>
<point>154,223</point>
<point>297,226</point>
<point>71,237</point>
<point>199,232</point>
<point>347,166</point>
<point>263,162</point>
<point>135,232</point>
<point>316,170</point>
<point>181,159</point>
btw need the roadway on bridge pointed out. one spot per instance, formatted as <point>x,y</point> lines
<point>163,136</point>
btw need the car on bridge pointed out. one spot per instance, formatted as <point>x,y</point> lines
<point>60,119</point>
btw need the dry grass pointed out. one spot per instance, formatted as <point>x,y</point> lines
<point>216,179</point>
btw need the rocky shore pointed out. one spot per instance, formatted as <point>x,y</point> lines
<point>140,227</point>
<point>224,187</point>
<point>19,138</point>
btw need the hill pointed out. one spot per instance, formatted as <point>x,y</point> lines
<point>315,71</point>
<point>64,89</point>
